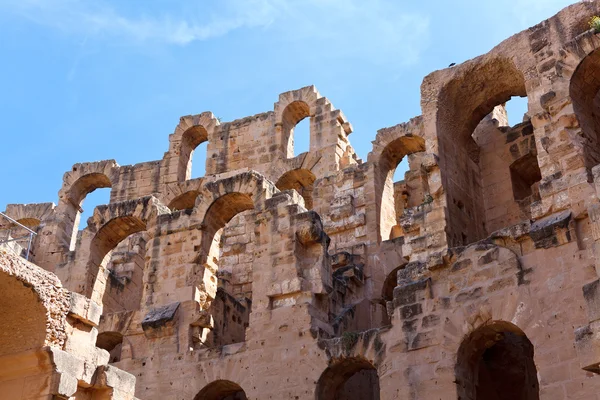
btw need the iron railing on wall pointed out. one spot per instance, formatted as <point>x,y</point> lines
<point>29,235</point>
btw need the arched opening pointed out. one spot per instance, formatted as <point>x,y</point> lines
<point>477,147</point>
<point>410,192</point>
<point>349,379</point>
<point>495,362</point>
<point>22,317</point>
<point>190,140</point>
<point>124,275</point>
<point>107,238</point>
<point>302,180</point>
<point>111,342</point>
<point>185,201</point>
<point>82,190</point>
<point>293,139</point>
<point>584,90</point>
<point>227,243</point>
<point>221,390</point>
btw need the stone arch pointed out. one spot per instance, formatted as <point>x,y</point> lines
<point>495,361</point>
<point>506,296</point>
<point>221,390</point>
<point>184,201</point>
<point>191,131</point>
<point>581,64</point>
<point>348,379</point>
<point>83,179</point>
<point>110,225</point>
<point>302,180</point>
<point>390,146</point>
<point>469,94</point>
<point>218,203</point>
<point>30,215</point>
<point>33,307</point>
<point>251,185</point>
<point>182,195</point>
<point>293,107</point>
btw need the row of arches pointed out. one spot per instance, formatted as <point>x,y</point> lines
<point>494,362</point>
<point>194,132</point>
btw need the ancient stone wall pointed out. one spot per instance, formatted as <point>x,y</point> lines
<point>280,275</point>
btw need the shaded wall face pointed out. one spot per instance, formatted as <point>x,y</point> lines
<point>509,172</point>
<point>462,183</point>
<point>231,319</point>
<point>124,283</point>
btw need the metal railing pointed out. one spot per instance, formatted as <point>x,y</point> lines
<point>29,235</point>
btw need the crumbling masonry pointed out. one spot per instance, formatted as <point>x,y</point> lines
<point>315,276</point>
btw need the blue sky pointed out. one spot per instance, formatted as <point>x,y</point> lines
<point>87,80</point>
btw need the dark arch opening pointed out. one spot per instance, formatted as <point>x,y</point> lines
<point>584,90</point>
<point>349,379</point>
<point>302,180</point>
<point>295,112</point>
<point>495,362</point>
<point>111,342</point>
<point>221,390</point>
<point>190,140</point>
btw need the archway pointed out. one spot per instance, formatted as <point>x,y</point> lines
<point>349,379</point>
<point>495,362</point>
<point>86,178</point>
<point>477,147</point>
<point>190,140</point>
<point>221,390</point>
<point>293,113</point>
<point>226,241</point>
<point>302,180</point>
<point>584,90</point>
<point>106,239</point>
<point>386,190</point>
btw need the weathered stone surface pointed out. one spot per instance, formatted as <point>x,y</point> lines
<point>300,276</point>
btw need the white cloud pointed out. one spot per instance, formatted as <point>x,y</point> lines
<point>377,28</point>
<point>99,18</point>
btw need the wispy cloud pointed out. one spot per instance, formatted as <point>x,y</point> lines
<point>375,28</point>
<point>101,19</point>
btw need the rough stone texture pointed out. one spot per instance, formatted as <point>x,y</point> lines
<point>300,276</point>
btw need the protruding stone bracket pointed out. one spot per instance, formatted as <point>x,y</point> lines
<point>160,321</point>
